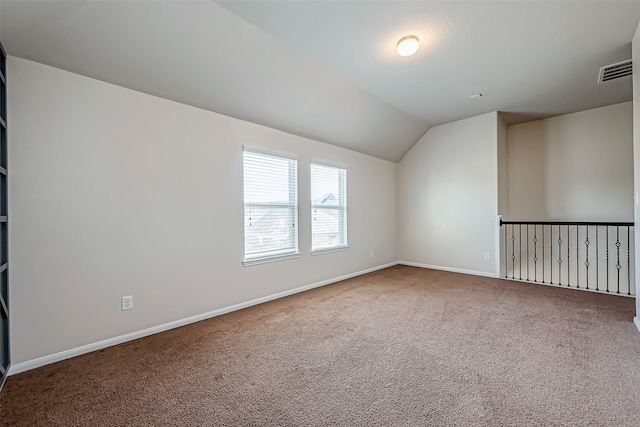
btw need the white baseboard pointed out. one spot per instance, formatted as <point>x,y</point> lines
<point>636,322</point>
<point>67,354</point>
<point>451,269</point>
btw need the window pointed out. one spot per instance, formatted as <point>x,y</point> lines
<point>328,207</point>
<point>270,207</point>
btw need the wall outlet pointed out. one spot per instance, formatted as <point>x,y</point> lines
<point>371,253</point>
<point>127,303</point>
<point>487,257</point>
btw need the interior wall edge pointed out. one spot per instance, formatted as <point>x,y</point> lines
<point>450,269</point>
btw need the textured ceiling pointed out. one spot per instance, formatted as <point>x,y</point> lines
<point>328,70</point>
<point>538,58</point>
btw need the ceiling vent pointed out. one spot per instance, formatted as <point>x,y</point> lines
<point>615,71</point>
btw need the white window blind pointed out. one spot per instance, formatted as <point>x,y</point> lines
<point>328,207</point>
<point>270,205</point>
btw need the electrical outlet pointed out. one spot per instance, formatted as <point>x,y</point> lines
<point>487,257</point>
<point>127,303</point>
<point>371,253</point>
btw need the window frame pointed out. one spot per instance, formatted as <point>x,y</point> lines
<point>342,207</point>
<point>266,256</point>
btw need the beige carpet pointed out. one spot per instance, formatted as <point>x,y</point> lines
<point>399,347</point>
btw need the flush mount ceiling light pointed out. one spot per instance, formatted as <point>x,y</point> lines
<point>408,45</point>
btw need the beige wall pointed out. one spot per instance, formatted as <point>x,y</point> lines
<point>575,167</point>
<point>124,193</point>
<point>448,197</point>
<point>636,154</point>
<point>114,192</point>
<point>503,167</point>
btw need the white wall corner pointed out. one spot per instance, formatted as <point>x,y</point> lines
<point>636,322</point>
<point>451,269</point>
<point>496,254</point>
<point>635,55</point>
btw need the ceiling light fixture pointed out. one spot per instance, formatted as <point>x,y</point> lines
<point>408,45</point>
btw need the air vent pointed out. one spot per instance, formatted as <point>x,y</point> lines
<point>615,71</point>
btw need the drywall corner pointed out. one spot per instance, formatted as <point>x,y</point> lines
<point>448,196</point>
<point>503,167</point>
<point>635,47</point>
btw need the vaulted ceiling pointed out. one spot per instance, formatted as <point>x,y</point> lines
<point>328,70</point>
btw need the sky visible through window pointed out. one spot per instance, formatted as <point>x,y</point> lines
<point>325,183</point>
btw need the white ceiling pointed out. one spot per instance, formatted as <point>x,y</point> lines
<point>328,70</point>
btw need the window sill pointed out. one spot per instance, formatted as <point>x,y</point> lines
<point>267,259</point>
<point>330,250</point>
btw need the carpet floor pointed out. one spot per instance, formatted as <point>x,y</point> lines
<point>401,346</point>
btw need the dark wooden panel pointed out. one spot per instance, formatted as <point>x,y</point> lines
<point>4,289</point>
<point>3,101</point>
<point>5,354</point>
<point>3,195</point>
<point>3,147</point>
<point>3,243</point>
<point>4,344</point>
